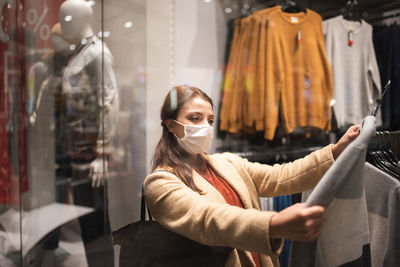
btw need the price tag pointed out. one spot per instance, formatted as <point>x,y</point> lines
<point>350,38</point>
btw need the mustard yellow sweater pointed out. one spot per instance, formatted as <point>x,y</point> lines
<point>298,74</point>
<point>241,90</point>
<point>268,69</point>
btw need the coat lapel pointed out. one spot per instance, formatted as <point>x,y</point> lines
<point>232,177</point>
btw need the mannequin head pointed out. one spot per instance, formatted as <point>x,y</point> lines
<point>75,18</point>
<point>58,41</point>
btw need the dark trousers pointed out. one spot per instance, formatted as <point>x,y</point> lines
<point>95,226</point>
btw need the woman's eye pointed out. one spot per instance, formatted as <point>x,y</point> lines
<point>211,122</point>
<point>194,118</point>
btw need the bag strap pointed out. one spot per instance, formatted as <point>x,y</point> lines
<point>143,203</point>
<point>143,208</point>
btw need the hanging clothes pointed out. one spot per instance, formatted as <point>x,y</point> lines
<point>267,203</point>
<point>232,78</point>
<point>383,203</point>
<point>277,61</point>
<point>355,71</point>
<point>255,73</point>
<point>281,203</point>
<point>345,234</point>
<point>298,74</point>
<point>387,49</point>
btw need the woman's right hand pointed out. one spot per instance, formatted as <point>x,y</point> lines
<point>297,223</point>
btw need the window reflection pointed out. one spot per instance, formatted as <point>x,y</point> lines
<point>63,131</point>
<point>60,107</point>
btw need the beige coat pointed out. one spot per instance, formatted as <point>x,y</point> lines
<point>208,219</point>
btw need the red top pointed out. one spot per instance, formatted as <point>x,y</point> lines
<point>230,196</point>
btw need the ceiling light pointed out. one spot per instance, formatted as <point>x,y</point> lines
<point>105,34</point>
<point>128,24</point>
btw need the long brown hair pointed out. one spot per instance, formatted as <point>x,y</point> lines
<point>168,153</point>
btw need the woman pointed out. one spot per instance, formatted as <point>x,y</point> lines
<point>214,199</point>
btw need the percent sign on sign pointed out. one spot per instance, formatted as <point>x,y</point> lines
<point>36,21</point>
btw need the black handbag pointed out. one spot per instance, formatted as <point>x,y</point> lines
<point>147,243</point>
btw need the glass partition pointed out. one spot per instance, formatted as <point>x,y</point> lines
<point>72,128</point>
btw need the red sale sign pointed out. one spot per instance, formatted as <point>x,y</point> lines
<point>25,35</point>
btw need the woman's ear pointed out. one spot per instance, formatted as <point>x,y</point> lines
<point>170,125</point>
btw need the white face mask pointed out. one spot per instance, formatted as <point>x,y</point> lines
<point>197,138</point>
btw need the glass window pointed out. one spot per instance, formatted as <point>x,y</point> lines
<point>72,128</point>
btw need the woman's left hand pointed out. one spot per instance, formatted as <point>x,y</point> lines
<point>346,139</point>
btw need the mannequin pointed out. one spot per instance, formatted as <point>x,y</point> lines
<point>75,18</point>
<point>91,103</point>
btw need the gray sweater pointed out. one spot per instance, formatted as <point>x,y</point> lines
<point>356,80</point>
<point>383,204</point>
<point>345,229</point>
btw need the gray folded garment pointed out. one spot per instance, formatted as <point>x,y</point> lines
<point>345,233</point>
<point>383,203</point>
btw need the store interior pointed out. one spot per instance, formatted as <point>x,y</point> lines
<point>153,45</point>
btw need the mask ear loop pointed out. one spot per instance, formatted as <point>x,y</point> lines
<point>178,123</point>
<point>184,133</point>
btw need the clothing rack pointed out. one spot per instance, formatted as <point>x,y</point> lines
<point>255,5</point>
<point>372,11</point>
<point>277,155</point>
<point>369,10</point>
<point>382,140</point>
<point>395,143</point>
<point>262,5</point>
<point>381,18</point>
<point>380,154</point>
<point>386,140</point>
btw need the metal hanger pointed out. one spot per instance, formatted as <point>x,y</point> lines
<point>352,11</point>
<point>292,7</point>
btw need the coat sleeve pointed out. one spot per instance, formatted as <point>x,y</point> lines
<point>284,179</point>
<point>108,102</point>
<point>195,216</point>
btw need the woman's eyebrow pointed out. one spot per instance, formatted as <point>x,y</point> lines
<point>200,113</point>
<point>195,112</point>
